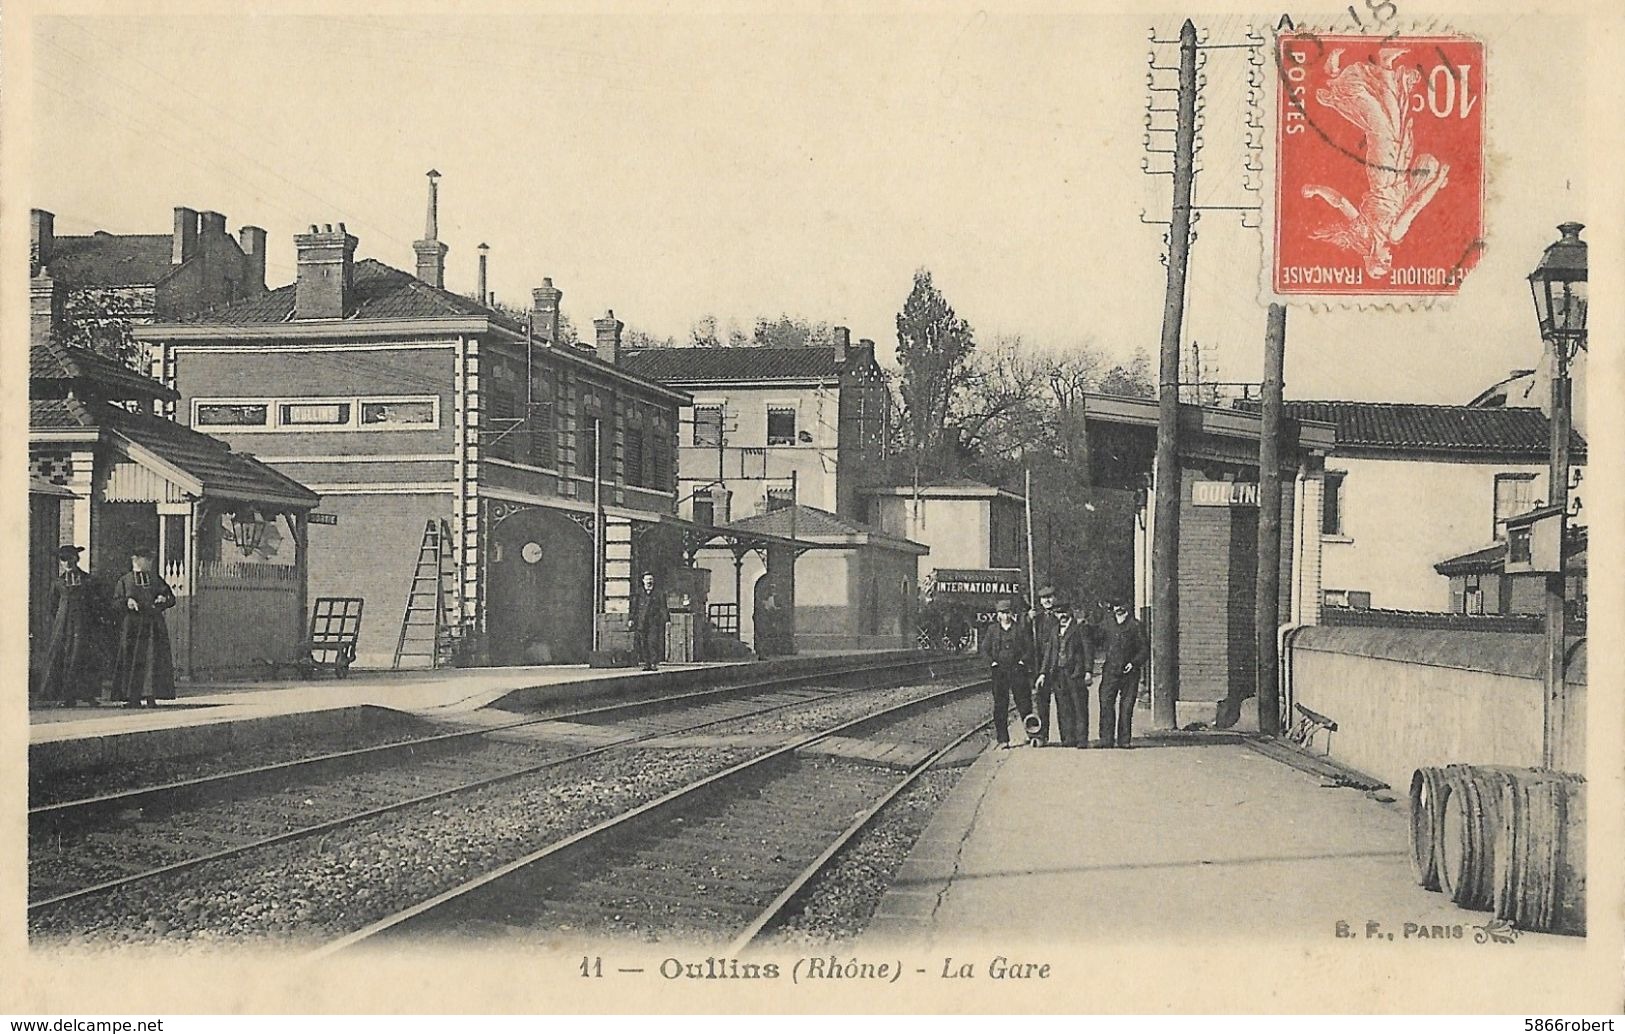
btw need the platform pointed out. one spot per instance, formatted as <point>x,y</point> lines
<point>1194,836</point>
<point>232,716</point>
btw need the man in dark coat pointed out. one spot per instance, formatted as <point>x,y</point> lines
<point>144,671</point>
<point>1124,656</point>
<point>648,624</point>
<point>69,673</point>
<point>1065,671</point>
<point>1042,625</point>
<point>1009,650</point>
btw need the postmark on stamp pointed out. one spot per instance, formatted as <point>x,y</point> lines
<point>1380,164</point>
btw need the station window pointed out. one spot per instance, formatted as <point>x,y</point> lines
<point>781,425</point>
<point>318,413</point>
<point>1331,504</point>
<point>1514,494</point>
<point>708,426</point>
<point>227,414</point>
<point>632,456</point>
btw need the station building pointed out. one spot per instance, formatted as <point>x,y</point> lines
<point>441,431</point>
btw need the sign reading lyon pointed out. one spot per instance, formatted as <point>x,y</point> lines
<point>1379,184</point>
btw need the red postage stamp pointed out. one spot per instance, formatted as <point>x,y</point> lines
<point>1380,164</point>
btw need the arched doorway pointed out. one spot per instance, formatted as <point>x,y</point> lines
<point>539,610</point>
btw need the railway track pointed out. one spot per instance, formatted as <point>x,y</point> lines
<point>722,860</point>
<point>93,847</point>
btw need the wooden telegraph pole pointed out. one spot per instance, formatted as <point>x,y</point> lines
<point>1165,541</point>
<point>1267,613</point>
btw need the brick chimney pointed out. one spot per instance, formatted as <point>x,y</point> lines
<point>185,245</point>
<point>544,309</point>
<point>43,224</point>
<point>843,342</point>
<point>45,301</point>
<point>252,239</point>
<point>211,224</point>
<point>326,283</point>
<point>485,253</point>
<point>431,253</point>
<point>608,330</point>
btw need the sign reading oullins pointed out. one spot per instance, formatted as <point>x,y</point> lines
<point>1224,493</point>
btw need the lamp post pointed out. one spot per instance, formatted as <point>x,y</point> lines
<point>1559,288</point>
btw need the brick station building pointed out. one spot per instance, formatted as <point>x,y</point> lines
<point>406,405</point>
<point>1218,528</point>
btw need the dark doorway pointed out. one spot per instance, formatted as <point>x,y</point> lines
<point>540,605</point>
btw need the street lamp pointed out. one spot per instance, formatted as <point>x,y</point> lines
<point>1559,288</point>
<point>248,530</point>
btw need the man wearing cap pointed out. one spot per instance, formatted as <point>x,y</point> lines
<point>1043,630</point>
<point>1009,650</point>
<point>1065,671</point>
<point>1125,652</point>
<point>648,623</point>
<point>144,671</point>
<point>69,673</point>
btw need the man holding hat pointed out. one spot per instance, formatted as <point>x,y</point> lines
<point>145,669</point>
<point>1064,672</point>
<point>1009,650</point>
<point>1125,653</point>
<point>69,673</point>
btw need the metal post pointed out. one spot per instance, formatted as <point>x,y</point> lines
<point>597,534</point>
<point>1555,739</point>
<point>1165,547</point>
<point>1267,613</point>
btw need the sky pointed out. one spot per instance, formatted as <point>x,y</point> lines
<point>739,165</point>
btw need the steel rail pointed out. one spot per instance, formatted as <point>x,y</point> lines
<point>780,906</point>
<point>68,811</point>
<point>597,833</point>
<point>384,809</point>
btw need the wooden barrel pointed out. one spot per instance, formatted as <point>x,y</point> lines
<point>1469,807</point>
<point>1426,825</point>
<point>1540,860</point>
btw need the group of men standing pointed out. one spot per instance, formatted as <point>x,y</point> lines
<point>143,666</point>
<point>1050,656</point>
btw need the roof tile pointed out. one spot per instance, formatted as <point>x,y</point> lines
<point>746,363</point>
<point>1411,427</point>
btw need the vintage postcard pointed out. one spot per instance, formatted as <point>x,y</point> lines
<point>781,507</point>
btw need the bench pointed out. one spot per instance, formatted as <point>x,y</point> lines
<point>335,626</point>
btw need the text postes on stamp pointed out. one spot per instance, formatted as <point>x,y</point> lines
<point>1379,174</point>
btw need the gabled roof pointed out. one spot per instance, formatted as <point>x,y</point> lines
<point>54,361</point>
<point>813,524</point>
<point>381,293</point>
<point>746,363</point>
<point>1492,559</point>
<point>1399,427</point>
<point>112,259</point>
<point>216,470</point>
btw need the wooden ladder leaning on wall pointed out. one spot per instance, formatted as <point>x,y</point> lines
<point>427,629</point>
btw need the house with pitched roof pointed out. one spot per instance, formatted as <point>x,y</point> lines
<point>967,524</point>
<point>854,586</point>
<point>228,530</point>
<point>1409,486</point>
<point>772,425</point>
<point>518,483</point>
<point>156,275</point>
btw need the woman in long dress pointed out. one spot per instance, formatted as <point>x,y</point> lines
<point>145,671</point>
<point>69,673</point>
